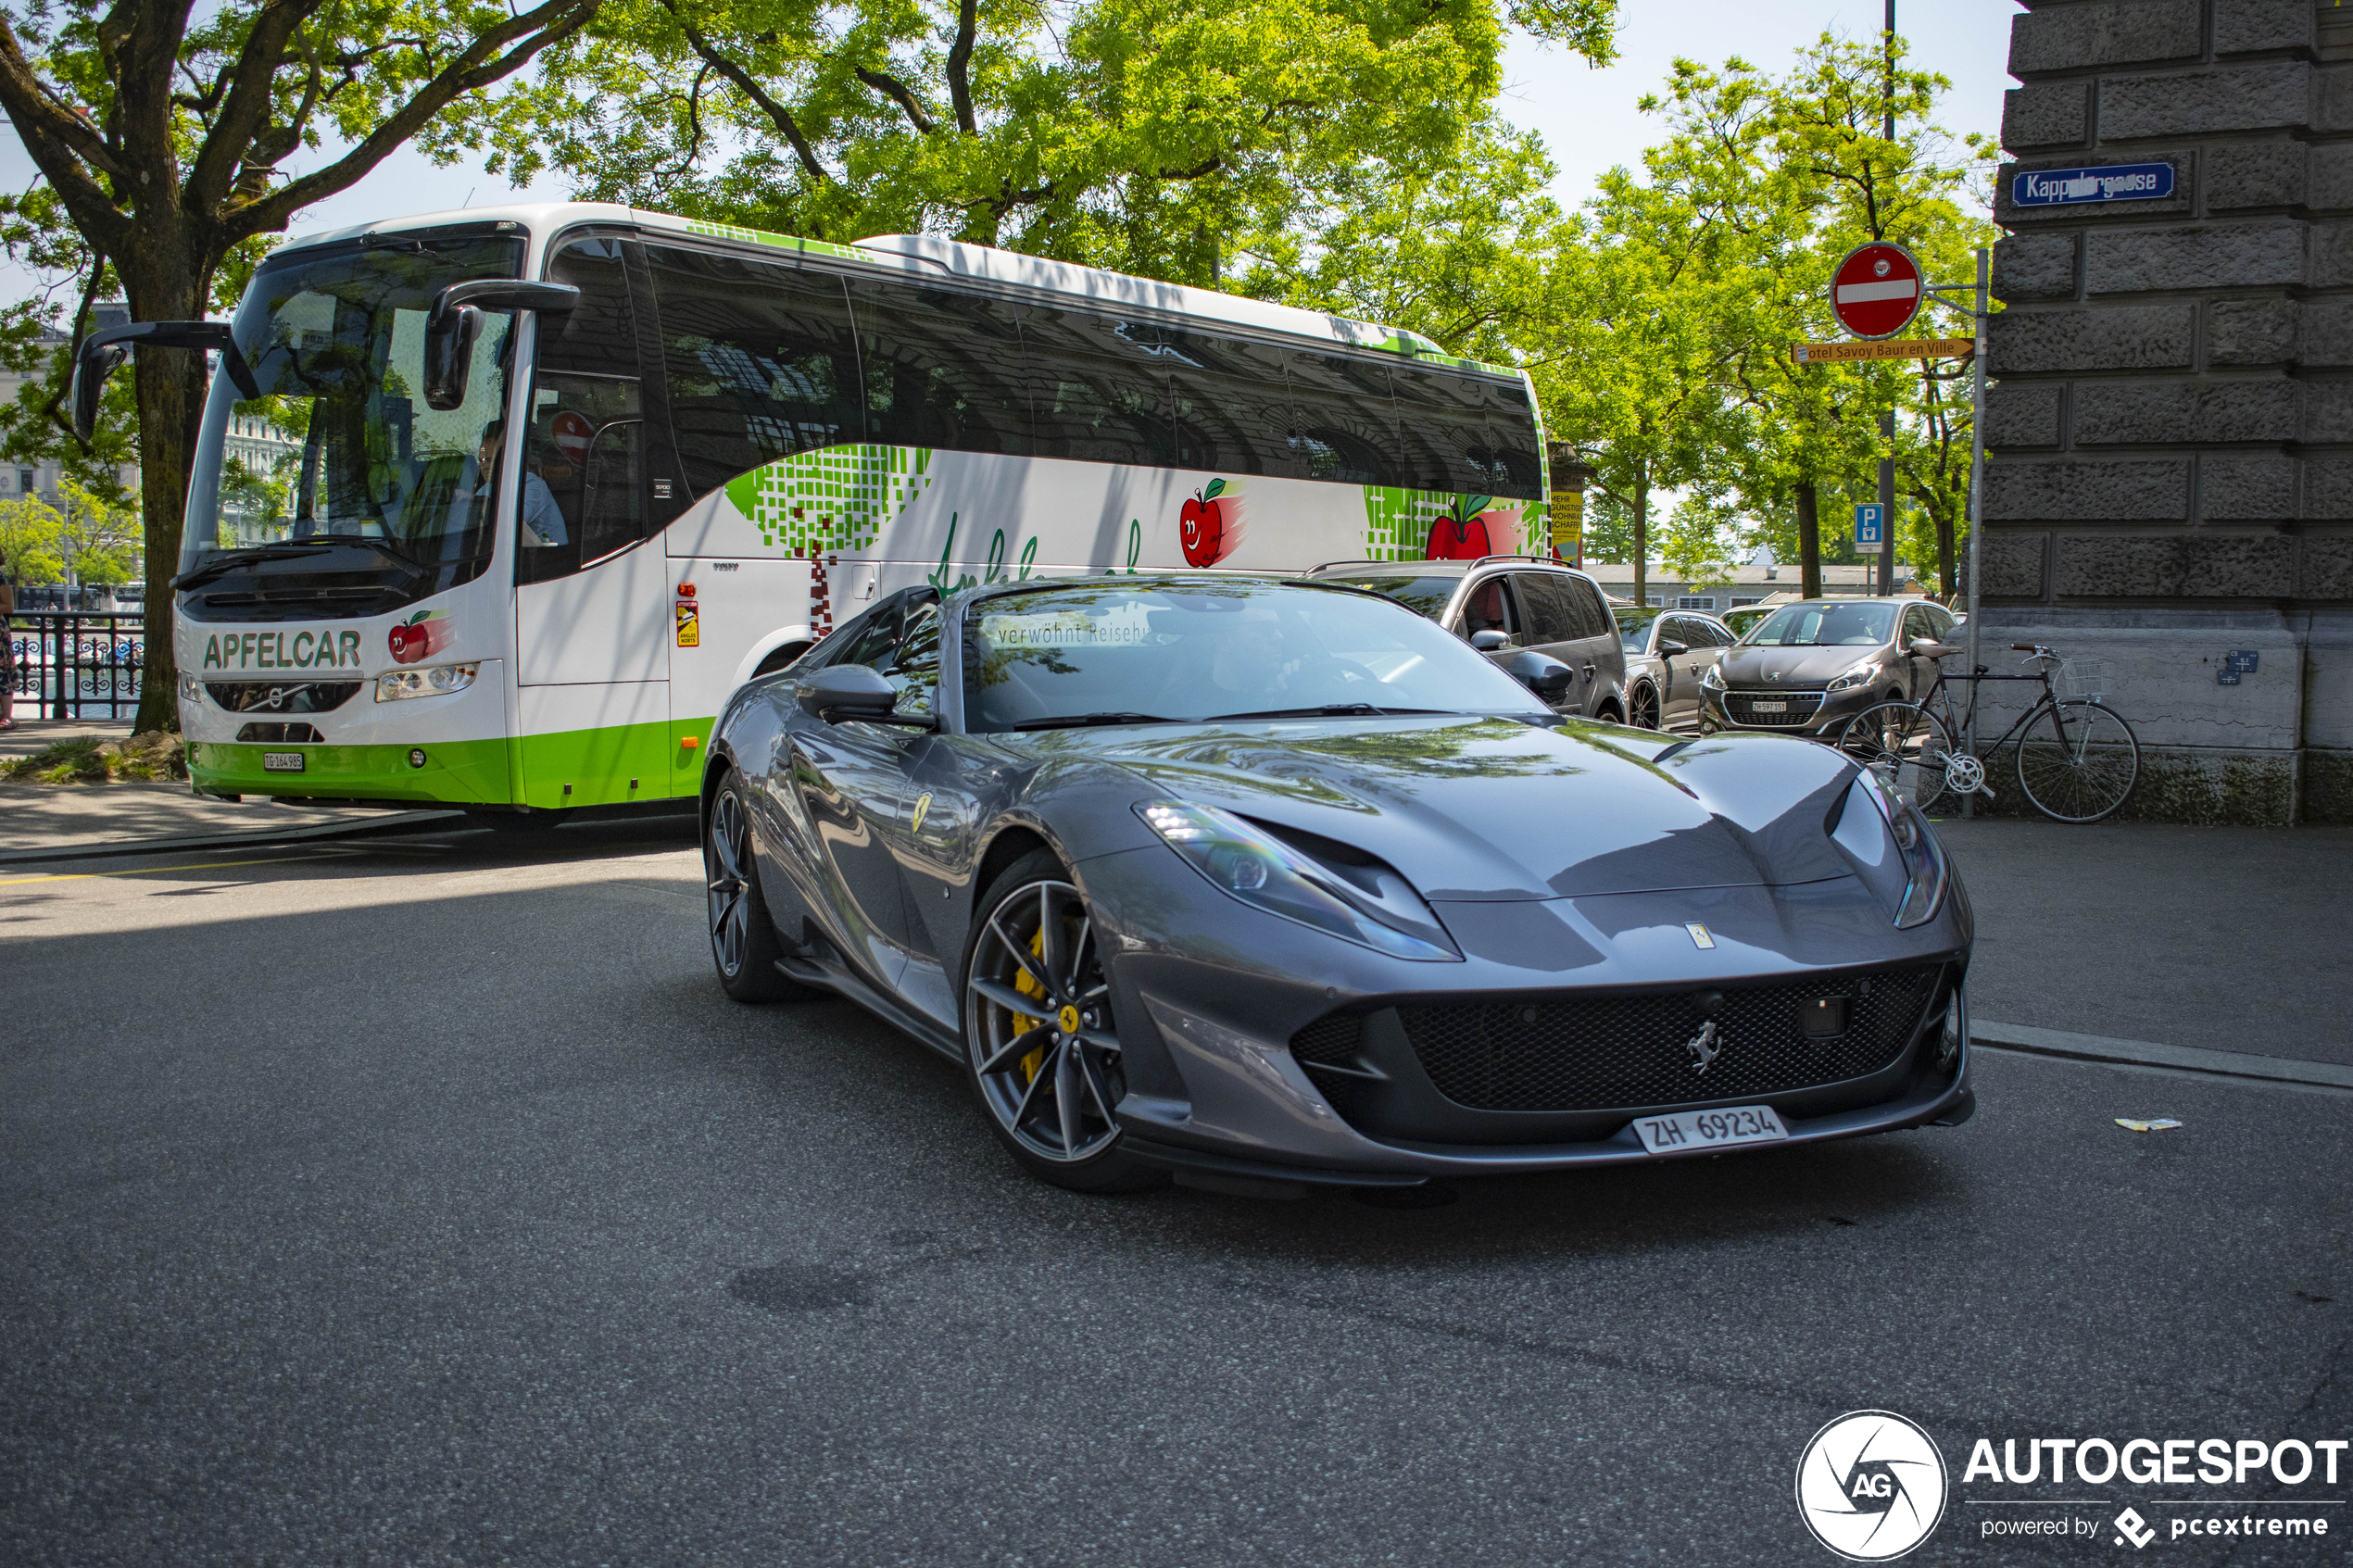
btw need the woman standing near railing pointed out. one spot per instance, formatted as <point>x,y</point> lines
<point>8,648</point>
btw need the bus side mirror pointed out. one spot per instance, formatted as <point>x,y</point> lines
<point>456,320</point>
<point>102,354</point>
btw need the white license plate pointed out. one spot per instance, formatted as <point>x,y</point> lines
<point>1770,707</point>
<point>1687,1130</point>
<point>282,762</point>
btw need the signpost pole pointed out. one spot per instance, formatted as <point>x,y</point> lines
<point>1976,516</point>
<point>1887,418</point>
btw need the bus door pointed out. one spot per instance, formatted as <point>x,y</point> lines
<point>592,588</point>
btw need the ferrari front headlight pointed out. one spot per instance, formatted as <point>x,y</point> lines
<point>1370,905</point>
<point>394,686</point>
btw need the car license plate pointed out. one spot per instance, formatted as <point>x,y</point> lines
<point>282,762</point>
<point>1770,707</point>
<point>1687,1130</point>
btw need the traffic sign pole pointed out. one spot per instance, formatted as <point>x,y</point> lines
<point>1976,517</point>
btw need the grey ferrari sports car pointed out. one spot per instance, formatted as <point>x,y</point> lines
<point>1273,883</point>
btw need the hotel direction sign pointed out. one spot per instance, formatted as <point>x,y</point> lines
<point>1883,348</point>
<point>2115,182</point>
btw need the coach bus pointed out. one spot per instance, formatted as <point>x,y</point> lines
<point>494,508</point>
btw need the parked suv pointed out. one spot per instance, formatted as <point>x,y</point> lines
<point>1809,667</point>
<point>1502,604</point>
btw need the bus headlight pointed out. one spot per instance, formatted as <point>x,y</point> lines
<point>394,686</point>
<point>190,690</point>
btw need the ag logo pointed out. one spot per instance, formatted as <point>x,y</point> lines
<point>1870,1485</point>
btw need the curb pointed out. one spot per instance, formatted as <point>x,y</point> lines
<point>395,822</point>
<point>2145,1053</point>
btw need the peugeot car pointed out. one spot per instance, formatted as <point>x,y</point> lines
<point>1809,667</point>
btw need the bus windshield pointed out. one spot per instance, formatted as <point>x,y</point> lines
<point>341,467</point>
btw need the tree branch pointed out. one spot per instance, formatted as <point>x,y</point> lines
<point>781,116</point>
<point>551,23</point>
<point>53,411</point>
<point>61,143</point>
<point>245,111</point>
<point>960,57</point>
<point>901,94</point>
<point>693,125</point>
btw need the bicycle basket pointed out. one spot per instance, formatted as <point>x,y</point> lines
<point>2084,677</point>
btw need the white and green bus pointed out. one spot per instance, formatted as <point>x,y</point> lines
<point>551,481</point>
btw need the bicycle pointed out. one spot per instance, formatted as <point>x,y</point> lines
<point>2077,762</point>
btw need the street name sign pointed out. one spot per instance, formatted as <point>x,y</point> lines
<point>1901,348</point>
<point>1867,524</point>
<point>1876,290</point>
<point>2116,182</point>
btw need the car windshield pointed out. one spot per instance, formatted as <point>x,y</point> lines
<point>1191,648</point>
<point>1634,630</point>
<point>1830,625</point>
<point>1423,596</point>
<point>341,446</point>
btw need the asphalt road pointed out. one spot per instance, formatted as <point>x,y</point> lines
<point>426,1203</point>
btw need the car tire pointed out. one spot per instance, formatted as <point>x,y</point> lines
<point>1066,1135</point>
<point>743,947</point>
<point>1645,709</point>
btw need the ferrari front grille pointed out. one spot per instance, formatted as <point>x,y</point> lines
<point>1798,706</point>
<point>1625,1052</point>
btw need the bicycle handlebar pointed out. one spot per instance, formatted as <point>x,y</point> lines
<point>2024,648</point>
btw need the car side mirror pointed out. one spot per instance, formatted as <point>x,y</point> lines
<point>1489,641</point>
<point>1924,648</point>
<point>456,320</point>
<point>1541,673</point>
<point>842,693</point>
<point>1671,649</point>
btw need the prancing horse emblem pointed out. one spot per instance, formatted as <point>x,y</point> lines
<point>1702,1046</point>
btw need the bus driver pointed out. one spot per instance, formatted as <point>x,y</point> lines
<point>543,520</point>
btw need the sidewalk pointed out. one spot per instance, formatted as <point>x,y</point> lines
<point>2220,938</point>
<point>29,735</point>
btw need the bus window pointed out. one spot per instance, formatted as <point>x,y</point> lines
<point>1446,435</point>
<point>760,361</point>
<point>1098,387</point>
<point>1344,426</point>
<point>1511,425</point>
<point>1231,406</point>
<point>940,369</point>
<point>584,490</point>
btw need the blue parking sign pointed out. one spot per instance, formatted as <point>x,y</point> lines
<point>1869,518</point>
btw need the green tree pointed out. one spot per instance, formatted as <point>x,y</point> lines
<point>158,132</point>
<point>1167,138</point>
<point>97,537</point>
<point>28,530</point>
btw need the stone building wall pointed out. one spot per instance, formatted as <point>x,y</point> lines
<point>2170,433</point>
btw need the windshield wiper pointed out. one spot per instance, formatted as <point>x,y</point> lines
<point>379,545</point>
<point>255,555</point>
<point>1330,710</point>
<point>1081,720</point>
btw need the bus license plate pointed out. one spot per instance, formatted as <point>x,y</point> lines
<point>1770,707</point>
<point>282,762</point>
<point>1689,1130</point>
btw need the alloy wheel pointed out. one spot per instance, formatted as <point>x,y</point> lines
<point>724,858</point>
<point>1038,1024</point>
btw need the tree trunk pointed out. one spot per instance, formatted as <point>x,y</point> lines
<point>164,286</point>
<point>1809,544</point>
<point>1944,572</point>
<point>1641,535</point>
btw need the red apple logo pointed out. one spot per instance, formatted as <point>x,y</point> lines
<point>407,644</point>
<point>1205,526</point>
<point>1461,534</point>
<point>422,633</point>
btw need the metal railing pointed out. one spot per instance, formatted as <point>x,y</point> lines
<point>76,666</point>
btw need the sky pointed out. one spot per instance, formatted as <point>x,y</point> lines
<point>1588,118</point>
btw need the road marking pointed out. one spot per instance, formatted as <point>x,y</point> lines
<point>151,870</point>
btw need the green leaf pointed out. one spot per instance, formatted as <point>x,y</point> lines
<point>1215,488</point>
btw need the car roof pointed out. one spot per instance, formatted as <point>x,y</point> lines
<point>1432,567</point>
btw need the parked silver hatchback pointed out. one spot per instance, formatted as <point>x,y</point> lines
<point>1809,667</point>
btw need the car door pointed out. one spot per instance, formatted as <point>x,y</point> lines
<point>1601,652</point>
<point>1550,625</point>
<point>1679,696</point>
<point>1920,673</point>
<point>845,784</point>
<point>1489,605</point>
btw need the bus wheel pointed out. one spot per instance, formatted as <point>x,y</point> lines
<point>743,940</point>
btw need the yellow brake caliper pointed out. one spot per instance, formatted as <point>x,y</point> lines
<point>1029,987</point>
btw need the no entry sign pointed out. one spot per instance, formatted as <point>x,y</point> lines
<point>1876,290</point>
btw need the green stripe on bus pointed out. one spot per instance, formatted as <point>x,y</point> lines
<point>454,773</point>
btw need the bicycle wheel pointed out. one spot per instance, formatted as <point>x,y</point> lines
<point>1907,746</point>
<point>2078,761</point>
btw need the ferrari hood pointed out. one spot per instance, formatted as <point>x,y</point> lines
<point>1765,666</point>
<point>1491,810</point>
